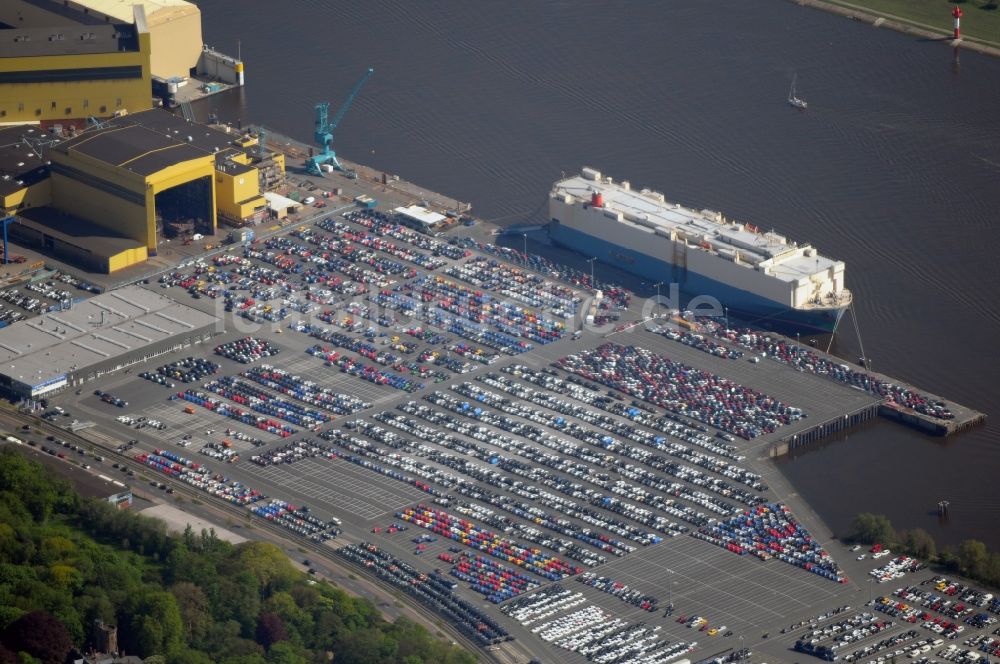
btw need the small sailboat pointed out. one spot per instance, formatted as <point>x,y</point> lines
<point>794,100</point>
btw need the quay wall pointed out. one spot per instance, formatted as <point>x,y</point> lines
<point>824,429</point>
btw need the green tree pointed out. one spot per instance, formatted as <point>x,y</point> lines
<point>159,629</point>
<point>269,565</point>
<point>299,621</point>
<point>245,659</point>
<point>872,529</point>
<point>973,557</point>
<point>188,656</point>
<point>918,542</point>
<point>992,572</point>
<point>285,653</point>
<point>66,562</point>
<point>193,607</point>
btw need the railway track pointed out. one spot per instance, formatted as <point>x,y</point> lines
<point>17,419</point>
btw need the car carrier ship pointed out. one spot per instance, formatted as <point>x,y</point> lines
<point>759,277</point>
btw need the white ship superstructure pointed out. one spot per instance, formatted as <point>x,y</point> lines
<point>760,274</point>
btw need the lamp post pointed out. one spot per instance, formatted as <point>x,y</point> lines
<point>742,657</point>
<point>870,582</point>
<point>524,236</point>
<point>726,311</point>
<point>591,261</point>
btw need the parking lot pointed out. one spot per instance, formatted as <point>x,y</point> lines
<point>573,473</point>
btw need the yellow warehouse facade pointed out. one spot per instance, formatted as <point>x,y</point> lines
<point>68,73</point>
<point>128,178</point>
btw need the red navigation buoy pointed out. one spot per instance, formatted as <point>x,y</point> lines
<point>957,13</point>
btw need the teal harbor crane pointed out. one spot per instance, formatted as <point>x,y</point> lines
<point>324,129</point>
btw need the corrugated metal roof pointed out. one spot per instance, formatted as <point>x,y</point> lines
<point>417,213</point>
<point>113,324</point>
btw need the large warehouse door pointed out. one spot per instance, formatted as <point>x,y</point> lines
<point>185,209</point>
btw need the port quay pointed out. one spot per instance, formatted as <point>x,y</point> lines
<point>834,407</point>
<point>562,421</point>
<point>498,428</point>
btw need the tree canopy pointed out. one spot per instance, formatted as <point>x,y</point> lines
<point>970,558</point>
<point>66,563</point>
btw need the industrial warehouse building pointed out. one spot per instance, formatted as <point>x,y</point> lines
<point>56,69</point>
<point>128,176</point>
<point>104,334</point>
<point>419,218</point>
<point>24,175</point>
<point>63,62</point>
<point>75,240</point>
<point>105,198</point>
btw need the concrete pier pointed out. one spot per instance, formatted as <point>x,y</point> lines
<point>824,429</point>
<point>840,408</point>
<point>964,418</point>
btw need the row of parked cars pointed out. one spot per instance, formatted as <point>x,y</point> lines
<point>891,648</point>
<point>293,452</point>
<point>27,302</point>
<point>553,614</point>
<point>141,422</point>
<point>188,370</point>
<point>247,350</point>
<point>813,622</point>
<point>535,482</point>
<point>675,426</point>
<point>50,289</point>
<point>109,398</point>
<point>10,316</point>
<point>712,399</point>
<point>951,606</point>
<point>628,431</point>
<point>807,359</point>
<point>661,486</point>
<point>620,590</point>
<point>967,594</point>
<point>431,591</point>
<point>79,284</point>
<point>361,453</point>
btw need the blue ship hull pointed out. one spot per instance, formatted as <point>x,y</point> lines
<point>749,307</point>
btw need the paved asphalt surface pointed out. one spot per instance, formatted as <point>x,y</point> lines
<point>750,597</point>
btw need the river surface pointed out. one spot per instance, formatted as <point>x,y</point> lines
<point>895,169</point>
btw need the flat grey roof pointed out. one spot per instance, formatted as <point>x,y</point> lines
<point>149,141</point>
<point>20,164</point>
<point>132,147</point>
<point>196,134</point>
<point>67,40</point>
<point>113,324</point>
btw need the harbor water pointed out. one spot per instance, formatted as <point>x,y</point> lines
<point>893,169</point>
